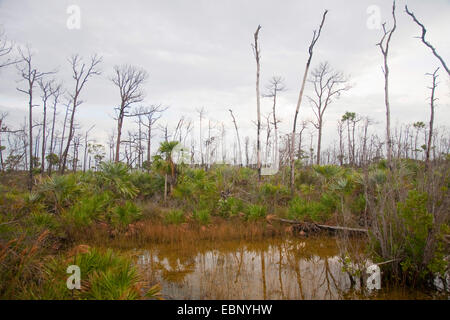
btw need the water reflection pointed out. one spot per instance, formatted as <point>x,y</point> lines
<point>271,269</point>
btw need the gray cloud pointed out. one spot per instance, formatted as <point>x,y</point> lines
<point>198,54</point>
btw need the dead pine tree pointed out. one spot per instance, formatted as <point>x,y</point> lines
<point>30,75</point>
<point>316,35</point>
<point>86,146</point>
<point>81,72</point>
<point>276,85</point>
<point>303,126</point>
<point>237,135</point>
<point>434,76</point>
<point>56,95</point>
<point>422,37</point>
<point>384,48</point>
<point>150,115</point>
<point>256,53</point>
<point>201,113</point>
<point>129,80</point>
<point>328,85</point>
<point>47,89</point>
<point>340,130</point>
<point>268,135</point>
<point>63,134</point>
<point>247,157</point>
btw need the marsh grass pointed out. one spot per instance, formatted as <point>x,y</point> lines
<point>20,264</point>
<point>158,231</point>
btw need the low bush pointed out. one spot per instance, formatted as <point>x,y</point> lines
<point>125,214</point>
<point>299,209</point>
<point>229,207</point>
<point>87,210</point>
<point>174,216</point>
<point>254,212</point>
<point>148,184</point>
<point>202,216</point>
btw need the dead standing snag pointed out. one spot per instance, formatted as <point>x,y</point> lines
<point>316,35</point>
<point>384,48</point>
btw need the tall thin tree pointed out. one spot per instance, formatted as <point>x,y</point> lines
<point>129,80</point>
<point>434,84</point>
<point>328,85</point>
<point>256,52</point>
<point>81,73</point>
<point>31,76</point>
<point>384,48</point>
<point>316,35</point>
<point>237,135</point>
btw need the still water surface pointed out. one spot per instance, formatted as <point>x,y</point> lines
<point>269,269</point>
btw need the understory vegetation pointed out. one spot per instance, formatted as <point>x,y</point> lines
<point>405,210</point>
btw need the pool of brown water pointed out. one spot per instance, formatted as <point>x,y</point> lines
<point>292,268</point>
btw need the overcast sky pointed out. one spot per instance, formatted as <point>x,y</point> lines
<point>198,54</point>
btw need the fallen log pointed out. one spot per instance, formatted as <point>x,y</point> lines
<point>308,226</point>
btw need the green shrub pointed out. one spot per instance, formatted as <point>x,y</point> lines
<point>43,220</point>
<point>358,204</point>
<point>330,202</point>
<point>202,216</point>
<point>196,189</point>
<point>229,207</point>
<point>327,171</point>
<point>271,193</point>
<point>125,214</point>
<point>306,176</point>
<point>418,223</point>
<point>115,177</point>
<point>174,216</point>
<point>87,210</point>
<point>59,192</point>
<point>254,212</point>
<point>299,209</point>
<point>148,184</point>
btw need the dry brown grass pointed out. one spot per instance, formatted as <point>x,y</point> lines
<point>156,231</point>
<point>20,264</point>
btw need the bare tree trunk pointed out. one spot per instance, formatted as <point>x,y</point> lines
<point>63,136</point>
<point>47,91</point>
<point>238,138</point>
<point>2,117</point>
<point>275,125</point>
<point>118,139</point>
<point>319,142</point>
<point>353,142</point>
<point>341,143</point>
<point>86,145</point>
<point>81,74</point>
<point>140,153</point>
<point>316,36</point>
<point>129,80</point>
<point>432,99</point>
<point>30,75</point>
<point>258,103</point>
<point>56,95</point>
<point>200,114</point>
<point>247,160</point>
<point>30,133</point>
<point>44,126</point>
<point>384,47</point>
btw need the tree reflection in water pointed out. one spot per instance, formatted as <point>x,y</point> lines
<point>272,269</point>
